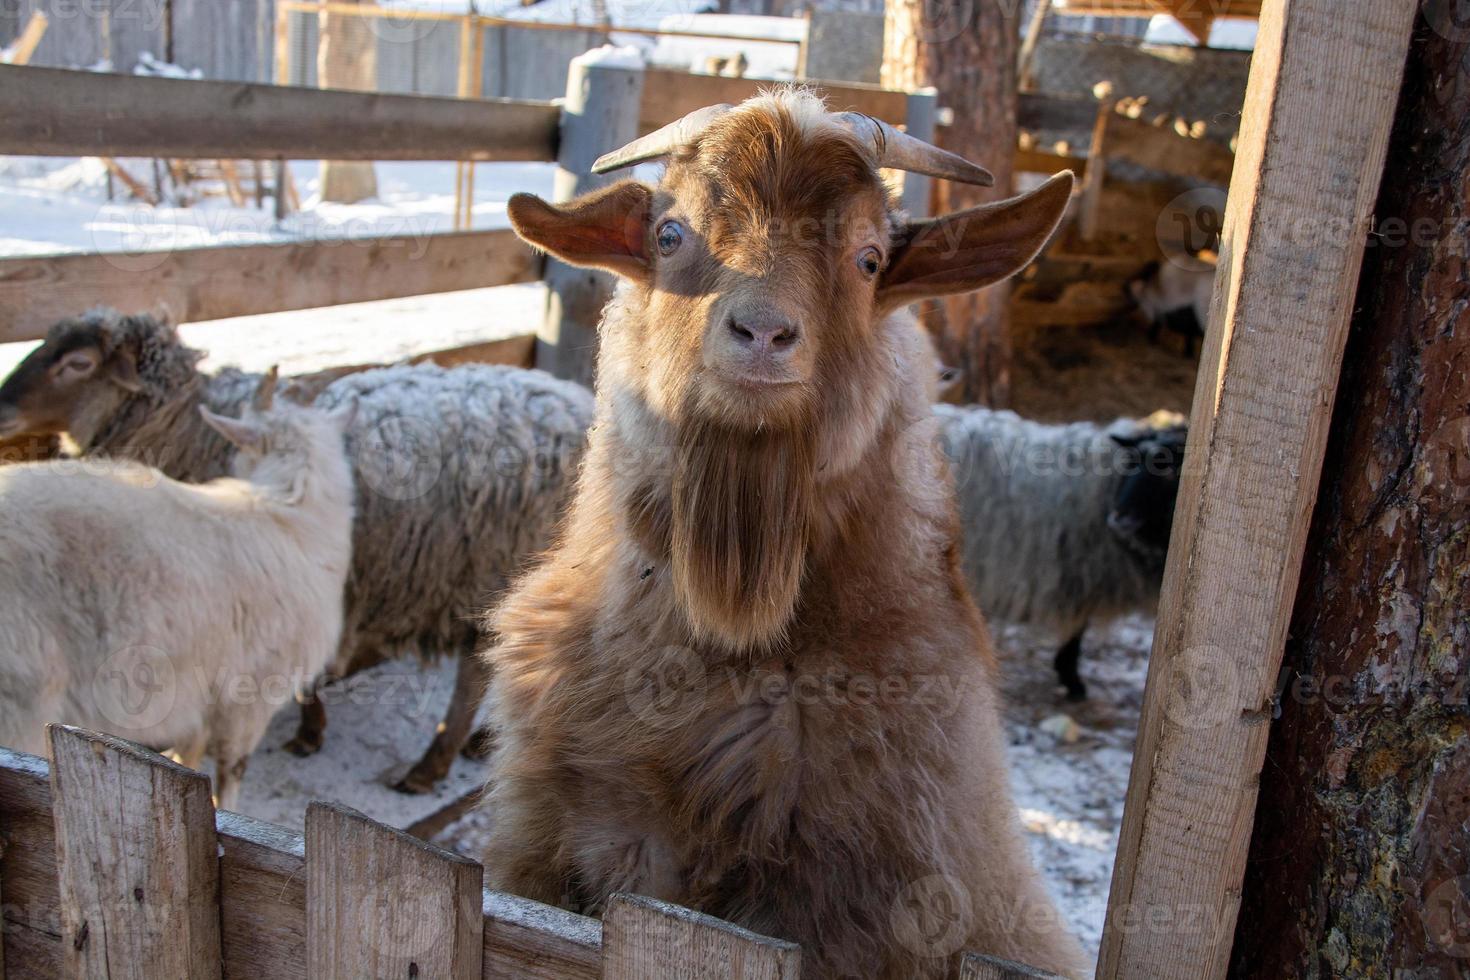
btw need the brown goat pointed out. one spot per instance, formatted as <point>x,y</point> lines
<point>749,678</point>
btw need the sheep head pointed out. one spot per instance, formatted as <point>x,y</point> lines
<point>756,328</point>
<point>83,363</point>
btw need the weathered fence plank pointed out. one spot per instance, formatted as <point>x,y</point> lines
<point>1324,83</point>
<point>644,939</point>
<point>30,921</point>
<point>55,112</point>
<point>670,93</point>
<point>600,114</point>
<point>380,903</point>
<point>978,967</point>
<point>238,280</point>
<point>262,898</point>
<point>137,861</point>
<point>530,941</point>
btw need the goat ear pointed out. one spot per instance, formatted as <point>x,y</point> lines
<point>607,229</point>
<point>969,249</point>
<point>241,434</point>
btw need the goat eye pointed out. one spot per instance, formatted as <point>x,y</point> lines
<point>869,261</point>
<point>670,236</point>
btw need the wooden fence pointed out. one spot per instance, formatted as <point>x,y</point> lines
<point>56,112</point>
<point>115,864</point>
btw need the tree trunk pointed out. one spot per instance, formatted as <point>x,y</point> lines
<point>347,58</point>
<point>967,50</point>
<point>1360,863</point>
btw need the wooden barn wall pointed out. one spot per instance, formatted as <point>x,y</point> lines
<point>229,40</point>
<point>422,58</point>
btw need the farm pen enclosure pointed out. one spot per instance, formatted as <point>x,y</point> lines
<point>152,882</point>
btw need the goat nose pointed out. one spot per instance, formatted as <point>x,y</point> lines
<point>764,332</point>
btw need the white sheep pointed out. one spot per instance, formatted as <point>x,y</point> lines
<point>462,475</point>
<point>176,615</point>
<point>1175,297</point>
<point>1063,525</point>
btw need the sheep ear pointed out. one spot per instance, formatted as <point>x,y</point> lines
<point>122,369</point>
<point>607,229</point>
<point>241,434</point>
<point>970,249</point>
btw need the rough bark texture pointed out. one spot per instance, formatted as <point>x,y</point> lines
<point>347,58</point>
<point>967,50</point>
<point>1360,865</point>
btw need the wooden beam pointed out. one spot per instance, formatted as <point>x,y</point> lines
<point>1323,87</point>
<point>239,280</point>
<point>57,112</point>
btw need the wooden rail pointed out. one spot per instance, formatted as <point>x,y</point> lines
<point>60,112</point>
<point>238,280</point>
<point>116,864</point>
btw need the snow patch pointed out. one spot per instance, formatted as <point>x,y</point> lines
<point>611,56</point>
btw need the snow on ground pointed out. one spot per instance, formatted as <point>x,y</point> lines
<point>57,204</point>
<point>379,722</point>
<point>52,205</point>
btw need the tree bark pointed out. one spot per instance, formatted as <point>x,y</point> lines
<point>967,50</point>
<point>347,58</point>
<point>1360,862</point>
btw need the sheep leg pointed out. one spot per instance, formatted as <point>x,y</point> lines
<point>469,688</point>
<point>1066,666</point>
<point>480,744</point>
<point>310,731</point>
<point>228,772</point>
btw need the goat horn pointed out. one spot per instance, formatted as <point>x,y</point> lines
<point>265,395</point>
<point>900,151</point>
<point>661,142</point>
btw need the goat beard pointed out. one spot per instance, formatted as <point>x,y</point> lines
<point>742,509</point>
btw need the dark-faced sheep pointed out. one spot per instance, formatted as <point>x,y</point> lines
<point>179,616</point>
<point>1064,525</point>
<point>462,475</point>
<point>749,678</point>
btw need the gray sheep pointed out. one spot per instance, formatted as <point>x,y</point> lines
<point>1063,524</point>
<point>461,477</point>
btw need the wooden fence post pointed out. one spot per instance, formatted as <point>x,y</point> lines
<point>644,939</point>
<point>920,119</point>
<point>600,114</point>
<point>137,861</point>
<point>380,903</point>
<point>1324,82</point>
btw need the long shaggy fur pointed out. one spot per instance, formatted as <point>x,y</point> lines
<point>137,605</point>
<point>462,475</point>
<point>1034,501</point>
<point>821,763</point>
